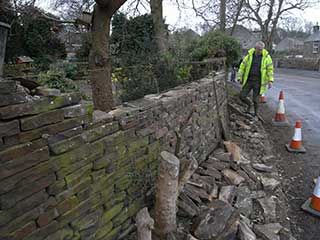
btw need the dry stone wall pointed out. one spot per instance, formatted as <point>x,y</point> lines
<point>66,173</point>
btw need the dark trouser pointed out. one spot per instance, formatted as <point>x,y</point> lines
<point>255,86</point>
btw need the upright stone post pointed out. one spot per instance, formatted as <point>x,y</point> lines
<point>4,29</point>
<point>167,195</point>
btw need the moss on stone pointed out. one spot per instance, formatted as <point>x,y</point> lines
<point>104,230</point>
<point>108,215</point>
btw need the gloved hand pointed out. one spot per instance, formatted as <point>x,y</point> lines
<point>270,84</point>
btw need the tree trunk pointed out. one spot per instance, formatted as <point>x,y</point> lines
<point>160,32</point>
<point>99,60</point>
<point>222,15</point>
<point>144,225</point>
<point>166,195</point>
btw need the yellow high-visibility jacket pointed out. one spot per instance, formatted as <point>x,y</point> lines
<point>266,69</point>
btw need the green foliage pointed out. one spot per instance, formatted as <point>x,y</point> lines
<point>217,44</point>
<point>33,35</point>
<point>84,51</point>
<point>183,73</point>
<point>69,69</point>
<point>57,79</point>
<point>132,40</point>
<point>182,42</point>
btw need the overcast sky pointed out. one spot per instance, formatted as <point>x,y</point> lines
<point>187,18</point>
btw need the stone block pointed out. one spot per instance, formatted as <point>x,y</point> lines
<point>78,110</point>
<point>100,132</point>
<point>92,203</point>
<point>65,134</point>
<point>27,177</point>
<point>67,205</point>
<point>111,213</point>
<point>134,145</point>
<point>64,233</point>
<point>100,116</point>
<point>43,119</point>
<point>66,145</point>
<point>8,168</point>
<point>227,194</point>
<point>57,187</point>
<point>20,208</point>
<point>21,150</point>
<point>268,231</point>
<point>75,177</point>
<point>37,106</point>
<point>104,230</point>
<point>43,232</point>
<point>114,233</point>
<point>86,153</point>
<point>47,92</point>
<point>11,99</point>
<point>9,128</point>
<point>211,222</point>
<point>20,221</point>
<point>8,86</point>
<point>82,185</point>
<point>24,231</point>
<point>232,177</point>
<point>46,131</point>
<point>9,199</point>
<point>121,217</point>
<point>47,217</point>
<point>88,221</point>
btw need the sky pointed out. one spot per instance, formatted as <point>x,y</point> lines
<point>187,18</point>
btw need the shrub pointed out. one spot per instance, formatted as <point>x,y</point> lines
<point>217,44</point>
<point>57,79</point>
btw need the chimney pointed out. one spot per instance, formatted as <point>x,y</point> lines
<point>316,28</point>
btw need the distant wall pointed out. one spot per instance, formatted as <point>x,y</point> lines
<point>299,63</point>
<point>63,176</point>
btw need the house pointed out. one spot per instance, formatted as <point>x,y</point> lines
<point>290,45</point>
<point>246,37</point>
<point>312,44</point>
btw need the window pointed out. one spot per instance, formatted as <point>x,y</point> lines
<point>315,47</point>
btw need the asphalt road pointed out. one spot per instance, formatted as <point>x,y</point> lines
<point>302,99</point>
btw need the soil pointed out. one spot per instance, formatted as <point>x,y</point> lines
<point>297,172</point>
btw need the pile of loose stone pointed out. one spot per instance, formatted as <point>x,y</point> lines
<point>235,194</point>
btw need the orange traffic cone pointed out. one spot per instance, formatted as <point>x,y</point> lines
<point>312,205</point>
<point>280,118</point>
<point>262,98</point>
<point>315,198</point>
<point>296,142</point>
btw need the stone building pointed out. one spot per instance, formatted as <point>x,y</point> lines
<point>312,44</point>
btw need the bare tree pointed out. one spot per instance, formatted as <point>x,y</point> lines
<point>266,13</point>
<point>159,26</point>
<point>218,13</point>
<point>71,9</point>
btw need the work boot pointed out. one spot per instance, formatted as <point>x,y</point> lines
<point>250,110</point>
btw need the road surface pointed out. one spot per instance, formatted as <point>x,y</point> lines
<point>302,101</point>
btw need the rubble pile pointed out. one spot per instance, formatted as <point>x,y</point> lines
<point>235,194</point>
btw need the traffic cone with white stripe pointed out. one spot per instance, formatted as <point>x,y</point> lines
<point>312,205</point>
<point>296,142</point>
<point>262,98</point>
<point>280,118</point>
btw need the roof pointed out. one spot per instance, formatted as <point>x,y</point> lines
<point>288,44</point>
<point>315,36</point>
<point>25,59</point>
<point>246,37</point>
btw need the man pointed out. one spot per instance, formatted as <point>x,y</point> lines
<point>256,74</point>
